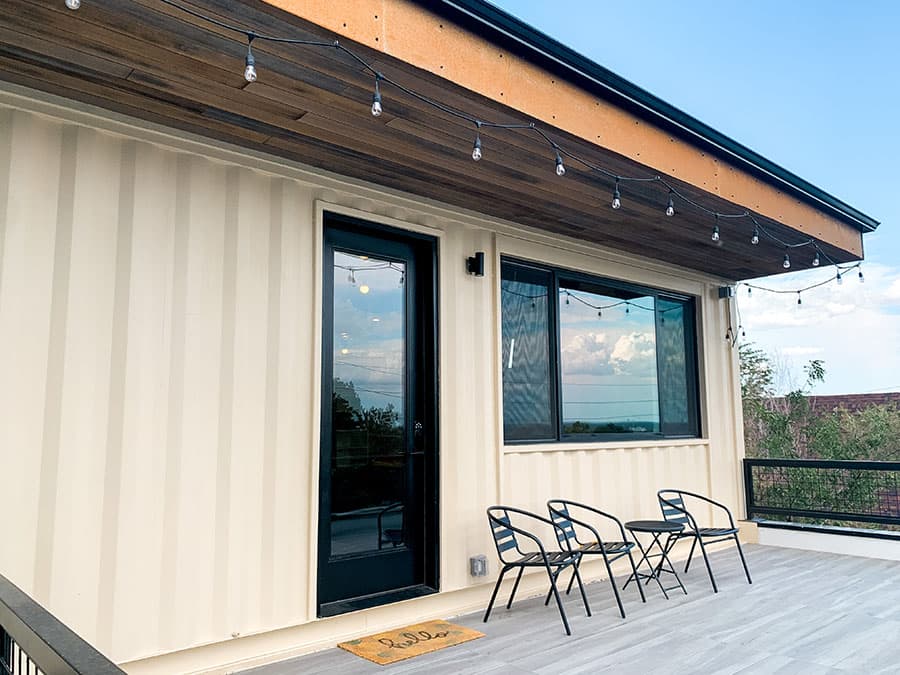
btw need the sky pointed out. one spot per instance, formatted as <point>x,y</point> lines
<point>812,86</point>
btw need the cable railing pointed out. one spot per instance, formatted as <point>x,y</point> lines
<point>34,642</point>
<point>823,492</point>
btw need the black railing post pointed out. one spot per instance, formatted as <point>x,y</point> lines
<point>748,488</point>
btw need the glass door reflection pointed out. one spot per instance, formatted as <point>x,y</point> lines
<point>369,462</point>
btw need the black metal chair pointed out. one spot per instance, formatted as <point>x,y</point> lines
<point>518,547</point>
<point>390,535</point>
<point>672,504</point>
<point>561,515</point>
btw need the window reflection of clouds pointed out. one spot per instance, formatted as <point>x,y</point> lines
<point>370,327</point>
<point>608,361</point>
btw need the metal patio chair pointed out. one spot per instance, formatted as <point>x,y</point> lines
<point>672,505</point>
<point>518,547</point>
<point>591,544</point>
<point>390,535</point>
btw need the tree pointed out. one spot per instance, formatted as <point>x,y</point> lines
<point>775,426</point>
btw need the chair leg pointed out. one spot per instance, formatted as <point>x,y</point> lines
<point>743,560</point>
<point>709,571</point>
<point>515,587</point>
<point>494,594</point>
<point>638,584</point>
<point>571,580</point>
<point>577,575</point>
<point>691,554</point>
<point>612,582</point>
<point>555,591</point>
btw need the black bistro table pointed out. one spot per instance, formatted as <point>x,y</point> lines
<point>656,528</point>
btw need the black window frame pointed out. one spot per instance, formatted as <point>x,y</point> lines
<point>689,303</point>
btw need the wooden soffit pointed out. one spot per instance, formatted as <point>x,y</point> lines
<point>312,105</point>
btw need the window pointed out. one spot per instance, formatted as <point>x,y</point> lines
<point>589,358</point>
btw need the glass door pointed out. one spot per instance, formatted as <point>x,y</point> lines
<point>378,452</point>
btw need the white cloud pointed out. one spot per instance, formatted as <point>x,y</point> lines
<point>853,327</point>
<point>634,354</point>
<point>587,353</point>
<point>801,351</point>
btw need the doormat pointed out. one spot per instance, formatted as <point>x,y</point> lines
<point>405,643</point>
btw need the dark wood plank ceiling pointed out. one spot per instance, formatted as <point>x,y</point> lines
<point>312,105</point>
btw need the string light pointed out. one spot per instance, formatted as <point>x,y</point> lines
<point>838,277</point>
<point>786,264</point>
<point>715,235</point>
<point>476,149</point>
<point>250,62</point>
<point>799,301</point>
<point>816,261</point>
<point>759,230</point>
<point>73,4</point>
<point>376,97</point>
<point>862,279</point>
<point>560,167</point>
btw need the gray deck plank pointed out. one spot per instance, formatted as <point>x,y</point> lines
<point>806,612</point>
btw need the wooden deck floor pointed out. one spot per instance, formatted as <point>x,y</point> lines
<point>806,613</point>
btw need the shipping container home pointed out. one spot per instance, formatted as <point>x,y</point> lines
<point>265,357</point>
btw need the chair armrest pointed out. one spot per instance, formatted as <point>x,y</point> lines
<point>578,522</point>
<point>595,511</point>
<point>681,509</point>
<point>526,533</point>
<point>713,502</point>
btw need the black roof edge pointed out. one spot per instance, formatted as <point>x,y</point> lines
<point>502,27</point>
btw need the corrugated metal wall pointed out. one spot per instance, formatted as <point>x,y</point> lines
<point>159,330</point>
<point>156,337</point>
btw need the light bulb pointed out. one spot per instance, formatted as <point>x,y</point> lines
<point>627,308</point>
<point>787,262</point>
<point>816,261</point>
<point>839,279</point>
<point>402,277</point>
<point>351,278</point>
<point>376,104</point>
<point>560,167</point>
<point>670,209</point>
<point>749,291</point>
<point>755,238</point>
<point>250,66</point>
<point>599,313</point>
<point>715,234</point>
<point>616,200</point>
<point>799,301</point>
<point>73,4</point>
<point>476,149</point>
<point>862,279</point>
<point>364,289</point>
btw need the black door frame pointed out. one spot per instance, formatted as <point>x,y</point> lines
<point>426,368</point>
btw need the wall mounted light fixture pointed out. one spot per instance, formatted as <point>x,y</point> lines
<point>475,264</point>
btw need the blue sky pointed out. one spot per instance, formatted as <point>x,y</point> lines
<point>813,86</point>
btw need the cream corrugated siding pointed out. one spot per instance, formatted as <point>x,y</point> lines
<point>156,331</point>
<point>159,386</point>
